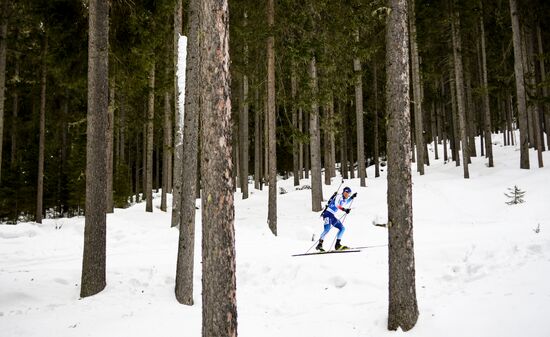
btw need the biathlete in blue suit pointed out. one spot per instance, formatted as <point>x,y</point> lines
<point>338,202</point>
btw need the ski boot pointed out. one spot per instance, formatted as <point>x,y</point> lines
<point>338,246</point>
<point>320,246</point>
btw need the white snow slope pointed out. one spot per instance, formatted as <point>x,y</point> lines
<point>481,267</point>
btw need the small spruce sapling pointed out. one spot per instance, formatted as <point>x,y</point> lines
<point>515,196</point>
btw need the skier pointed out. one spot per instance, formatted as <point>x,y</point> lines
<point>337,202</point>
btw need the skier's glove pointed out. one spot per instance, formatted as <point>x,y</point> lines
<point>353,195</point>
<point>347,210</point>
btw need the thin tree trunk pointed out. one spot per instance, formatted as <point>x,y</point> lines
<point>167,145</point>
<point>42,134</point>
<point>94,255</point>
<point>343,144</point>
<point>434,129</point>
<point>315,142</point>
<point>534,108</point>
<point>219,303</point>
<point>186,246</point>
<point>307,146</point>
<point>326,146</point>
<point>109,134</point>
<point>295,140</point>
<point>331,139</point>
<point>545,109</point>
<point>459,74</point>
<point>3,52</point>
<point>417,91</point>
<point>376,136</point>
<point>403,309</point>
<point>257,141</point>
<point>272,122</point>
<point>444,123</point>
<point>520,87</point>
<point>350,144</point>
<point>486,106</point>
<point>243,142</point>
<point>359,116</point>
<point>150,120</point>
<point>470,116</point>
<point>301,143</point>
<point>177,174</point>
<point>15,122</point>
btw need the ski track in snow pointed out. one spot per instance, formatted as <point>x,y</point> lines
<point>481,269</point>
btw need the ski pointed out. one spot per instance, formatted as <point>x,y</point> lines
<point>330,252</point>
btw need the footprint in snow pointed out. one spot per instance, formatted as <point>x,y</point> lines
<point>338,282</point>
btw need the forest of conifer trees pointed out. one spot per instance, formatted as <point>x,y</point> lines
<point>466,77</point>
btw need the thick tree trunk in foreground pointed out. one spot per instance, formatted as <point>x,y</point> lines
<point>403,309</point>
<point>219,307</point>
<point>93,262</point>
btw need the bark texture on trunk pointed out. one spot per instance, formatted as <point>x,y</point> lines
<point>545,108</point>
<point>42,135</point>
<point>520,87</point>
<point>178,121</point>
<point>376,136</point>
<point>460,95</point>
<point>186,246</point>
<point>150,123</point>
<point>109,134</point>
<point>403,309</point>
<point>94,256</point>
<point>219,303</point>
<point>315,142</point>
<point>417,91</point>
<point>243,140</point>
<point>3,52</point>
<point>359,117</point>
<point>272,122</point>
<point>295,141</point>
<point>486,107</point>
<point>166,146</point>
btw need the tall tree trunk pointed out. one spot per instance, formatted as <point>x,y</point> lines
<point>343,143</point>
<point>109,134</point>
<point>301,143</point>
<point>257,141</point>
<point>470,115</point>
<point>486,106</point>
<point>433,113</point>
<point>307,147</point>
<point>359,116</point>
<point>376,136</point>
<point>315,142</point>
<point>527,80</point>
<point>417,91</point>
<point>3,52</point>
<point>325,145</point>
<point>178,121</point>
<point>350,142</point>
<point>520,87</point>
<point>295,141</point>
<point>545,109</point>
<point>459,75</point>
<point>167,144</point>
<point>403,309</point>
<point>272,122</point>
<point>219,303</point>
<point>243,126</point>
<point>186,246</point>
<point>150,122</point>
<point>533,107</point>
<point>15,122</point>
<point>331,139</point>
<point>42,135</point>
<point>94,256</point>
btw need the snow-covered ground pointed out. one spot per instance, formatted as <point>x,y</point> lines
<point>482,269</point>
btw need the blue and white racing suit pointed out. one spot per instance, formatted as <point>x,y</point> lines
<point>329,215</point>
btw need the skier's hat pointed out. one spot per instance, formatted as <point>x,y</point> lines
<point>346,189</point>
